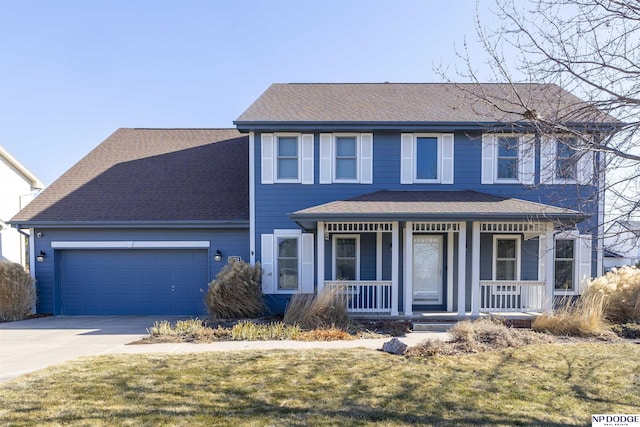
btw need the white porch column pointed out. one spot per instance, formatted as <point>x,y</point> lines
<point>395,262</point>
<point>450,270</point>
<point>408,268</point>
<point>548,270</point>
<point>462,269</point>
<point>379,255</point>
<point>475,269</point>
<point>320,256</point>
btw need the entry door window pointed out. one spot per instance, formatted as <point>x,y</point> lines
<point>427,269</point>
<point>346,258</point>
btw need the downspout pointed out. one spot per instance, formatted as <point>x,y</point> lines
<point>32,259</point>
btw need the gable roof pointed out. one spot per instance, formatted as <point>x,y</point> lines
<point>632,226</point>
<point>151,175</point>
<point>407,103</point>
<point>421,205</point>
<point>35,183</point>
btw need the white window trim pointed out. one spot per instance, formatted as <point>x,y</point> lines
<point>334,158</point>
<point>518,240</point>
<point>335,253</point>
<point>496,150</point>
<point>276,137</point>
<point>132,244</point>
<point>438,137</point>
<point>287,234</point>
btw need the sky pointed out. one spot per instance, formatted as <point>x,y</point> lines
<point>74,71</point>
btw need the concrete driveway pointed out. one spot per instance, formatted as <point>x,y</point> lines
<point>29,345</point>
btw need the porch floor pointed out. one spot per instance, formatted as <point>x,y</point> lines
<point>444,316</point>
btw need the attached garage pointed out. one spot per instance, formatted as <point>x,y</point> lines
<point>132,281</point>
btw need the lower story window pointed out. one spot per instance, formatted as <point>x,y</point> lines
<point>288,263</point>
<point>346,258</point>
<point>506,259</point>
<point>564,264</point>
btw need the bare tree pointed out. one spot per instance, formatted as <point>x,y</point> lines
<point>589,48</point>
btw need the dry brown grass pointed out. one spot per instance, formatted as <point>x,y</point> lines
<point>17,293</point>
<point>328,334</point>
<point>620,289</point>
<point>478,336</point>
<point>319,311</point>
<point>236,293</point>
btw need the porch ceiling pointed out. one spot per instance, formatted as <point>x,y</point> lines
<point>432,205</point>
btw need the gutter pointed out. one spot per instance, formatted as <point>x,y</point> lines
<point>130,224</point>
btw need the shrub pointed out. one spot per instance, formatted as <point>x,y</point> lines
<point>250,331</point>
<point>236,292</point>
<point>621,291</point>
<point>478,336</point>
<point>319,311</point>
<point>614,297</point>
<point>17,293</point>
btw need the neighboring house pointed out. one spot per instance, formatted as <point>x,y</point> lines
<point>622,244</point>
<point>18,187</point>
<point>403,198</point>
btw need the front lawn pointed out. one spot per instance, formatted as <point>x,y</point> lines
<point>552,384</point>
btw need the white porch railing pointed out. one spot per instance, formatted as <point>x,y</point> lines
<point>363,296</point>
<point>511,295</point>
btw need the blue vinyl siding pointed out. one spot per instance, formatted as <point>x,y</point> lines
<point>229,241</point>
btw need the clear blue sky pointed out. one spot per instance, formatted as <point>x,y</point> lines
<point>73,71</point>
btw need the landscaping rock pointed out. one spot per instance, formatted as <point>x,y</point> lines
<point>395,346</point>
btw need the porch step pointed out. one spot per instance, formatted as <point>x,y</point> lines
<point>432,326</point>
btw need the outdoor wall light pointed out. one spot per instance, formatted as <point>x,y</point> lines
<point>40,258</point>
<point>218,256</point>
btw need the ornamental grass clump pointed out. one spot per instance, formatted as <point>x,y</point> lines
<point>17,293</point>
<point>621,291</point>
<point>321,311</point>
<point>236,292</point>
<point>250,331</point>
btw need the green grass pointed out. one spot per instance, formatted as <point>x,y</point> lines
<point>553,384</point>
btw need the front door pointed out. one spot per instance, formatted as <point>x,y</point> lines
<point>427,269</point>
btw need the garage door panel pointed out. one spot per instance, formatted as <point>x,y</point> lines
<point>133,281</point>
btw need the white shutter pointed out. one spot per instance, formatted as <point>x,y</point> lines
<point>267,261</point>
<point>447,158</point>
<point>306,278</point>
<point>527,159</point>
<point>366,158</point>
<point>307,158</point>
<point>488,159</point>
<point>584,261</point>
<point>267,150</point>
<point>548,154</point>
<point>585,167</point>
<point>326,158</point>
<point>406,156</point>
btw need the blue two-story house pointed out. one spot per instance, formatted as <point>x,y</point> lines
<point>401,198</point>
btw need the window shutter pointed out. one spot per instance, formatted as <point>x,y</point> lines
<point>585,167</point>
<point>406,156</point>
<point>307,158</point>
<point>306,278</point>
<point>528,159</point>
<point>447,158</point>
<point>267,246</point>
<point>326,161</point>
<point>267,150</point>
<point>584,261</point>
<point>488,160</point>
<point>547,160</point>
<point>366,158</point>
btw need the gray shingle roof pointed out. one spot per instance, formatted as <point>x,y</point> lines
<point>406,103</point>
<point>152,175</point>
<point>432,204</point>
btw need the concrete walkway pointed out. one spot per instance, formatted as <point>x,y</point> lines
<point>30,345</point>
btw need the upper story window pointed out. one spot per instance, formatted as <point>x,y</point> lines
<point>286,158</point>
<point>426,158</point>
<point>566,161</point>
<point>346,158</point>
<point>508,159</point>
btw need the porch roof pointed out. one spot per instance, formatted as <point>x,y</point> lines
<point>432,205</point>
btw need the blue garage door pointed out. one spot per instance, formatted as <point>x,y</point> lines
<point>95,282</point>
